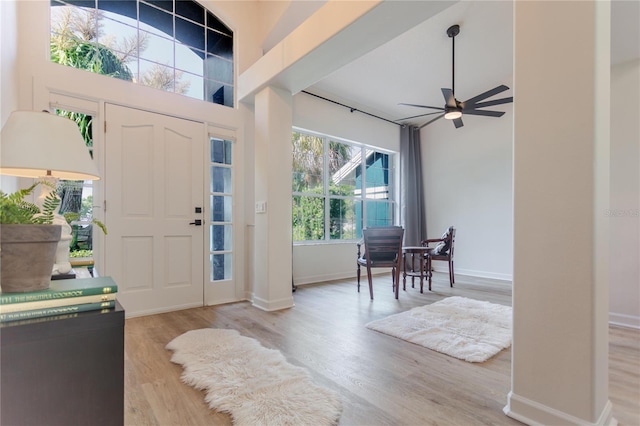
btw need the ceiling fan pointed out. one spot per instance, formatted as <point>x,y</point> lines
<point>453,108</point>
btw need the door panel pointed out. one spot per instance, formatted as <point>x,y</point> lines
<point>154,182</point>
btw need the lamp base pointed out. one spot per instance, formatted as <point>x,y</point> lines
<point>61,265</point>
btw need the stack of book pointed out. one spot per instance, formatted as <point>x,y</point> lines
<point>62,297</point>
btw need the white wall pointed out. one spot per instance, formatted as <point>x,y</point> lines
<point>625,195</point>
<point>468,184</point>
<point>329,261</point>
<point>8,74</point>
<point>8,59</point>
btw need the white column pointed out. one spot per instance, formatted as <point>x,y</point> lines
<point>561,181</point>
<point>273,240</point>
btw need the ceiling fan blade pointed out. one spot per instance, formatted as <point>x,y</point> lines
<point>490,103</point>
<point>487,94</point>
<point>423,106</point>
<point>431,121</point>
<point>416,116</point>
<point>484,113</point>
<point>449,98</point>
<point>457,122</point>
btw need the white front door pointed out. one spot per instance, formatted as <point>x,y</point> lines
<point>154,195</point>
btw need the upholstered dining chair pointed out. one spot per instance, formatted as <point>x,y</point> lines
<point>442,251</point>
<point>382,249</point>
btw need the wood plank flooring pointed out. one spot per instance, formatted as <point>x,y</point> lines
<point>382,380</point>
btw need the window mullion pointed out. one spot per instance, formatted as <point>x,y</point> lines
<point>363,184</point>
<point>325,183</point>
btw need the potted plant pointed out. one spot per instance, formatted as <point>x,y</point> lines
<point>28,240</point>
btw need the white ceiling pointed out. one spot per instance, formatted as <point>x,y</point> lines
<point>413,67</point>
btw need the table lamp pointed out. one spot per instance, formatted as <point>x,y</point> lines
<point>47,147</point>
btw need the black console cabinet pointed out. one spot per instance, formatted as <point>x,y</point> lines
<point>64,370</point>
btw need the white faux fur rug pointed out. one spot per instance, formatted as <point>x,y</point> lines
<point>467,329</point>
<point>256,385</point>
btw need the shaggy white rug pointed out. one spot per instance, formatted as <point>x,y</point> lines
<point>256,385</point>
<point>467,329</point>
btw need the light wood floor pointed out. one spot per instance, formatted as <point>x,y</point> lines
<point>382,380</point>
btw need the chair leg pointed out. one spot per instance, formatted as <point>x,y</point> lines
<point>393,280</point>
<point>358,278</point>
<point>404,272</point>
<point>451,277</point>
<point>370,282</point>
<point>396,274</point>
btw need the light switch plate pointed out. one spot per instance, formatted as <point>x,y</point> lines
<point>261,207</point>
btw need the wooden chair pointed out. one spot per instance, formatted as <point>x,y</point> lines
<point>382,249</point>
<point>442,251</point>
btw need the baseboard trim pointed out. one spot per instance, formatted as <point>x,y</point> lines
<point>535,414</point>
<point>272,305</point>
<point>472,273</point>
<point>623,320</point>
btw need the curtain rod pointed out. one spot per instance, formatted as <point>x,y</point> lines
<point>352,109</point>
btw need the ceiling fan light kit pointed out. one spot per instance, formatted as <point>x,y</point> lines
<point>452,113</point>
<point>453,108</point>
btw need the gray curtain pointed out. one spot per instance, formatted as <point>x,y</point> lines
<point>412,208</point>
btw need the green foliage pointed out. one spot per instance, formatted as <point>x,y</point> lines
<point>342,214</point>
<point>95,58</point>
<point>86,209</point>
<point>308,170</point>
<point>73,216</point>
<point>99,225</point>
<point>308,215</point>
<point>85,125</point>
<point>74,36</point>
<point>308,218</point>
<point>308,160</point>
<point>15,210</point>
<point>80,253</point>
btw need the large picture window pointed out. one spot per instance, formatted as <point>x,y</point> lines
<point>338,188</point>
<point>173,45</point>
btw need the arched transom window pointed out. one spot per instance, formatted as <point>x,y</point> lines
<point>173,45</point>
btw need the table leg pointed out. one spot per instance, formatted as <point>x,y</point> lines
<point>429,270</point>
<point>404,272</point>
<point>421,273</point>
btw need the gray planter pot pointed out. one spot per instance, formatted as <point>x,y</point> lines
<point>27,254</point>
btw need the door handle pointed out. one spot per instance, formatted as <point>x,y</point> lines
<point>196,222</point>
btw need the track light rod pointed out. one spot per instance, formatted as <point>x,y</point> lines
<point>352,109</point>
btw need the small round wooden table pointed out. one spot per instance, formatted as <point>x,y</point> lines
<point>411,255</point>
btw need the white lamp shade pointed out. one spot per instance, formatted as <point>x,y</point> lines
<point>34,143</point>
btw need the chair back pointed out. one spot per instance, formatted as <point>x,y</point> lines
<point>383,245</point>
<point>452,239</point>
<point>448,241</point>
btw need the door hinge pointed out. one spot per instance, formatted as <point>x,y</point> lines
<point>105,126</point>
<point>104,206</point>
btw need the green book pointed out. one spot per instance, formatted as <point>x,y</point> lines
<point>61,310</point>
<point>60,289</point>
<point>56,303</point>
